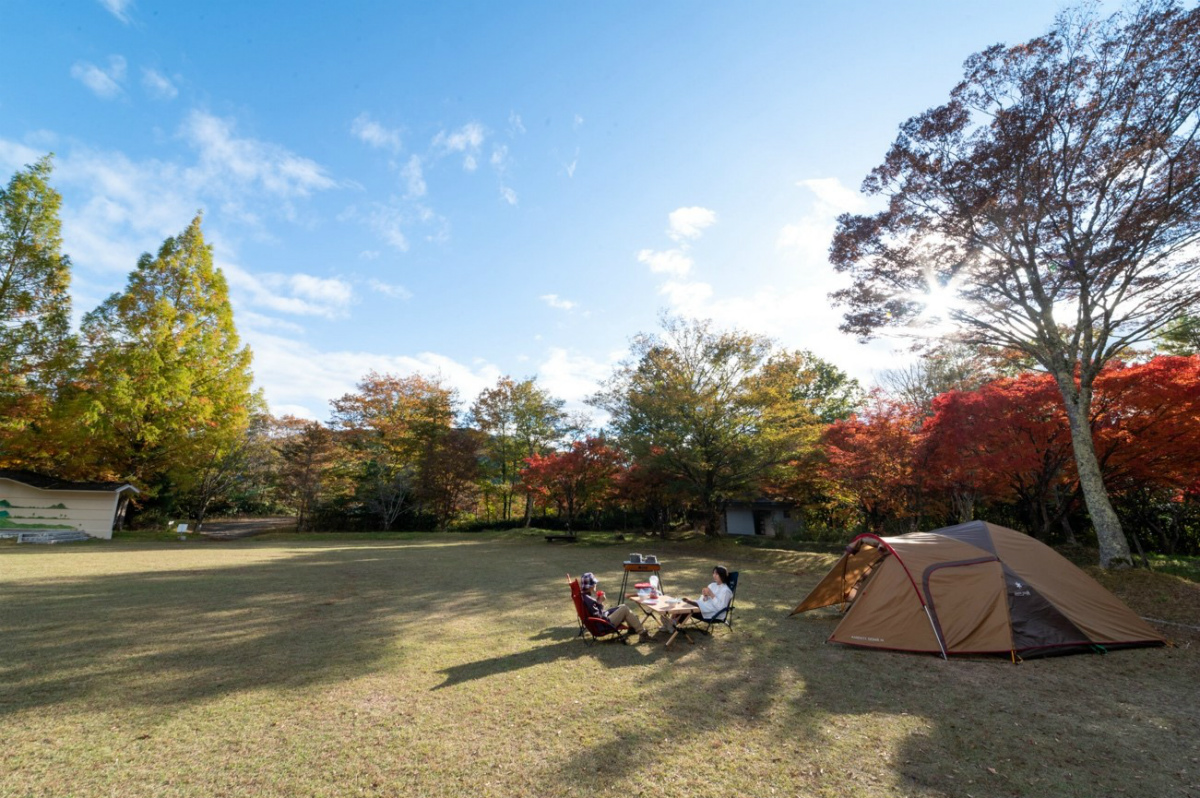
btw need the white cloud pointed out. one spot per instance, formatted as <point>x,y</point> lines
<point>158,85</point>
<point>499,159</point>
<point>14,156</point>
<point>578,121</point>
<point>414,178</point>
<point>247,319</point>
<point>388,222</point>
<point>228,161</point>
<point>573,377</point>
<point>104,83</point>
<point>515,125</point>
<point>303,378</point>
<point>809,237</point>
<point>508,195</point>
<point>554,301</point>
<point>118,8</point>
<point>670,261</point>
<point>375,134</point>
<point>689,223</point>
<point>295,294</point>
<point>467,140</point>
<point>786,300</point>
<point>389,289</point>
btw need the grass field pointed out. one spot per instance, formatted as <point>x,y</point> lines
<point>447,665</point>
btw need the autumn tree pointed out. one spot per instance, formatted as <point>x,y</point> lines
<point>713,411</point>
<point>953,367</point>
<point>225,466</point>
<point>1056,198</point>
<point>872,461</point>
<point>519,420</point>
<point>1007,440</point>
<point>578,479</point>
<point>36,346</point>
<point>165,380</point>
<point>308,452</point>
<point>401,430</point>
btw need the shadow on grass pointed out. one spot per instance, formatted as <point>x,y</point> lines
<point>883,723</point>
<point>877,723</point>
<point>163,638</point>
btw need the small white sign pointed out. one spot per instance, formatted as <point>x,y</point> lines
<point>182,529</point>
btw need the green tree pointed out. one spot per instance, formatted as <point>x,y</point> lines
<point>520,421</point>
<point>166,382</point>
<point>1181,337</point>
<point>1056,199</point>
<point>36,346</point>
<point>713,411</point>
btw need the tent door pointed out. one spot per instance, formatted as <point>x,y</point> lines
<point>969,605</point>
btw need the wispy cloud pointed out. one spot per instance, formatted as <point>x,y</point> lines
<point>294,294</point>
<point>687,224</point>
<point>104,83</point>
<point>158,85</point>
<point>414,177</point>
<point>389,222</point>
<point>670,261</point>
<point>389,289</point>
<point>508,195</point>
<point>466,140</point>
<point>232,161</point>
<point>373,133</point>
<point>515,126</point>
<point>118,8</point>
<point>555,301</point>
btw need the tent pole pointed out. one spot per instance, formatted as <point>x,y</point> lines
<point>937,636</point>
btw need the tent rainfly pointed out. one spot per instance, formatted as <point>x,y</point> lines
<point>975,588</point>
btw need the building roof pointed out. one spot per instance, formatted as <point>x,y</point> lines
<point>35,480</point>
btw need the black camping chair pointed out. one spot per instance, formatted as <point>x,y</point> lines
<point>698,623</point>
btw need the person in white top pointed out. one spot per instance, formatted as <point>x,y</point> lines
<point>713,599</point>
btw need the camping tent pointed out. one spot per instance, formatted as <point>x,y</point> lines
<point>975,588</point>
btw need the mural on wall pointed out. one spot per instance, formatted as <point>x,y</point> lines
<point>8,520</point>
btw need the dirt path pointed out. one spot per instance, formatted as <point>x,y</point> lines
<point>233,528</point>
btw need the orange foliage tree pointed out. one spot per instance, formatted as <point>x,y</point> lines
<point>577,480</point>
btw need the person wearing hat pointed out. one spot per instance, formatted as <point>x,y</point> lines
<point>618,615</point>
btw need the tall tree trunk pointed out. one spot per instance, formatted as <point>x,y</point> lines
<point>1114,548</point>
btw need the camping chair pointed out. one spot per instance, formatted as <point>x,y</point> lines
<point>590,627</point>
<point>698,623</point>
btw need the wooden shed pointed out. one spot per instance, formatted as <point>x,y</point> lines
<point>30,501</point>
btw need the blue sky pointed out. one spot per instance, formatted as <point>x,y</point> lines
<point>485,188</point>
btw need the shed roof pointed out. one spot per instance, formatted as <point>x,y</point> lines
<point>35,480</point>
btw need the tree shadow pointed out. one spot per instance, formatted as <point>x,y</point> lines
<point>157,639</point>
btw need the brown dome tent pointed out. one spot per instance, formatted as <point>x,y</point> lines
<point>975,588</point>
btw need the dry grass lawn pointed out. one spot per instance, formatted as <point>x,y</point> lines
<point>447,665</point>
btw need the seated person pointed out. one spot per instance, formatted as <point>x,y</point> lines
<point>713,599</point>
<point>594,607</point>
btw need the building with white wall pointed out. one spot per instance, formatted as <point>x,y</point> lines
<point>30,501</point>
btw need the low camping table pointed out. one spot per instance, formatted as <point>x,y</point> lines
<point>664,607</point>
<point>640,567</point>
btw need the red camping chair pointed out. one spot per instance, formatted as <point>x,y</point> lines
<point>590,627</point>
